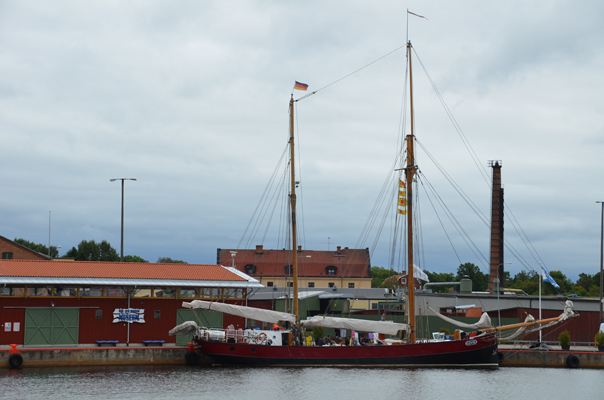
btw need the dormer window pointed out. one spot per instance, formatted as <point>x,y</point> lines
<point>331,270</point>
<point>289,269</point>
<point>250,269</point>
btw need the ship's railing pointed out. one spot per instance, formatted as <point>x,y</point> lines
<point>247,336</point>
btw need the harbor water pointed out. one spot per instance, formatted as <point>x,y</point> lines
<point>183,382</point>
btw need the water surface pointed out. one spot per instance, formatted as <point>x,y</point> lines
<point>185,382</point>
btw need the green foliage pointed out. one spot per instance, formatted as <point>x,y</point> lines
<point>566,286</point>
<point>162,260</point>
<point>379,275</point>
<point>580,291</point>
<point>440,277</point>
<point>71,253</point>
<point>135,259</point>
<point>585,281</point>
<point>39,248</point>
<point>318,332</point>
<point>526,281</point>
<point>480,280</point>
<point>445,330</point>
<point>594,291</point>
<point>599,339</point>
<point>93,251</point>
<point>564,338</point>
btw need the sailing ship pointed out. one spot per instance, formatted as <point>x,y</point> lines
<point>276,348</point>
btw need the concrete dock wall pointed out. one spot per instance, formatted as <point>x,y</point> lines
<point>60,357</point>
<point>552,359</point>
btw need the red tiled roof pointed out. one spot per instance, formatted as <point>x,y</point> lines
<point>350,263</point>
<point>118,270</point>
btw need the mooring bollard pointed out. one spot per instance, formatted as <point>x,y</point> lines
<point>15,359</point>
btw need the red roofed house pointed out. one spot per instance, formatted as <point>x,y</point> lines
<point>10,250</point>
<point>343,268</point>
<point>84,302</point>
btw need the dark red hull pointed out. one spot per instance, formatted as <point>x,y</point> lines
<point>475,352</point>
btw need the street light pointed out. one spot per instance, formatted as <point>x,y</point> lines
<point>122,246</point>
<point>601,254</point>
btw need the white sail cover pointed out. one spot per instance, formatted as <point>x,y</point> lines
<point>184,329</point>
<point>483,323</point>
<point>257,314</point>
<point>361,325</point>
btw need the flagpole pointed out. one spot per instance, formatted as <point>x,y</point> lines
<point>540,279</point>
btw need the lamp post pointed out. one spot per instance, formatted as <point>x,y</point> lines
<point>601,254</point>
<point>122,245</point>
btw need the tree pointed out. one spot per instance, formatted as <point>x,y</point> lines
<point>163,260</point>
<point>585,281</point>
<point>39,248</point>
<point>440,277</point>
<point>562,281</point>
<point>379,275</point>
<point>71,253</point>
<point>480,281</point>
<point>135,259</point>
<point>580,291</point>
<point>93,251</point>
<point>526,281</point>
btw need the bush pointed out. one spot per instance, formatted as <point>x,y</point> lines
<point>318,332</point>
<point>445,330</point>
<point>564,338</point>
<point>599,338</point>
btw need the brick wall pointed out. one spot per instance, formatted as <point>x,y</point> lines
<point>19,252</point>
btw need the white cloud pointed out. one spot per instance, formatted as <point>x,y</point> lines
<point>191,99</point>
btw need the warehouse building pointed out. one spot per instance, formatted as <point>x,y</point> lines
<point>81,303</point>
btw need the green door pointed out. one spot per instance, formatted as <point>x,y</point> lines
<point>208,319</point>
<point>48,326</point>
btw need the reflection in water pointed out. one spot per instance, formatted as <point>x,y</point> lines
<point>282,383</point>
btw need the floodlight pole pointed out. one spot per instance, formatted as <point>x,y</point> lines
<point>122,244</point>
<point>601,256</point>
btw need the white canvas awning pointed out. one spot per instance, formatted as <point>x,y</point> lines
<point>257,314</point>
<point>361,325</point>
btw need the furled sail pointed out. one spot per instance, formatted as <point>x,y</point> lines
<point>385,327</point>
<point>483,323</point>
<point>257,314</point>
<point>184,329</point>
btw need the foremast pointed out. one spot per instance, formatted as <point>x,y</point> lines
<point>292,199</point>
<point>410,170</point>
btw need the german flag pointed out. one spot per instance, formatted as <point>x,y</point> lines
<point>300,86</point>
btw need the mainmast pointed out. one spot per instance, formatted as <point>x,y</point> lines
<point>409,173</point>
<point>292,198</point>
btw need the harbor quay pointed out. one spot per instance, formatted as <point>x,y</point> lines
<point>92,355</point>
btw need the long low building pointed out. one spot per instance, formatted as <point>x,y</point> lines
<point>79,302</point>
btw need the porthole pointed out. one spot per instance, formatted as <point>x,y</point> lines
<point>232,348</point>
<point>254,350</point>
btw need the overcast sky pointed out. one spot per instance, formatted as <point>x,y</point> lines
<point>190,98</point>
